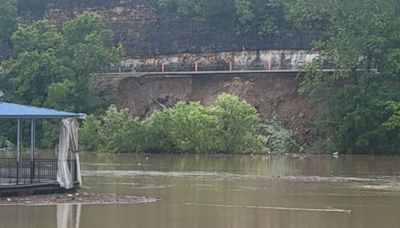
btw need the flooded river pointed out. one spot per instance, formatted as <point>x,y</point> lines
<point>202,191</point>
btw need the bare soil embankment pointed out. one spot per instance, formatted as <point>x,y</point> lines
<point>271,93</point>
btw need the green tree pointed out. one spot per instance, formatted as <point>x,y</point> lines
<point>260,17</point>
<point>89,134</point>
<point>309,15</point>
<point>184,128</point>
<point>114,131</point>
<point>8,19</point>
<point>59,95</point>
<point>86,53</point>
<point>229,126</point>
<point>37,63</point>
<point>237,122</point>
<point>360,43</point>
<point>52,66</point>
<point>243,16</point>
<point>278,138</point>
<point>157,127</point>
<point>393,122</point>
<point>121,132</point>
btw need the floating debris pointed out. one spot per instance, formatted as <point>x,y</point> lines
<point>76,198</point>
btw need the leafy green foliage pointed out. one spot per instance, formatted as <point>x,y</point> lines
<point>89,135</point>
<point>229,126</point>
<point>49,131</point>
<point>242,16</point>
<point>237,121</point>
<point>308,15</point>
<point>49,62</point>
<point>51,65</point>
<point>120,132</point>
<point>114,131</point>
<point>362,47</point>
<point>59,94</point>
<point>393,122</point>
<point>8,18</point>
<point>279,139</point>
<point>245,14</point>
<point>357,121</point>
<point>185,128</point>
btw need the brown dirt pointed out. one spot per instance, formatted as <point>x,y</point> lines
<point>270,93</point>
<point>75,198</point>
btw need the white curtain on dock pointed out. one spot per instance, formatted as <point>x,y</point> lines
<point>68,142</point>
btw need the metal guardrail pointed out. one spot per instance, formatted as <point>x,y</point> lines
<point>27,172</point>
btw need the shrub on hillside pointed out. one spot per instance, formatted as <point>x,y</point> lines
<point>237,121</point>
<point>114,131</point>
<point>228,126</point>
<point>183,128</point>
<point>279,139</point>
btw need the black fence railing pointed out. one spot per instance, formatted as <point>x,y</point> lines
<point>28,172</point>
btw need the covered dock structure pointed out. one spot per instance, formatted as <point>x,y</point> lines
<point>24,173</point>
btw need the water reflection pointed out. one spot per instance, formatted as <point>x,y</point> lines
<point>68,215</point>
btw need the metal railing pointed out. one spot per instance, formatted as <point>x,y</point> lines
<point>28,172</point>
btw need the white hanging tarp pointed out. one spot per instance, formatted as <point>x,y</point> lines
<point>68,142</point>
<point>74,147</point>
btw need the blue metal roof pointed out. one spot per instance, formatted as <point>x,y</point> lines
<point>16,111</point>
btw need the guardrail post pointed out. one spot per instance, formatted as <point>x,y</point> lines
<point>162,67</point>
<point>270,63</point>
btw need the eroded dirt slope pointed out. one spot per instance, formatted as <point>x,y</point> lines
<point>269,92</point>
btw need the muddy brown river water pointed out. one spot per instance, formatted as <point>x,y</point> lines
<point>202,191</point>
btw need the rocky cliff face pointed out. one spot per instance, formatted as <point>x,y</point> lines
<point>146,33</point>
<point>271,93</point>
<point>151,39</point>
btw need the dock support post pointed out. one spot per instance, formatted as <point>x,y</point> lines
<point>32,150</point>
<point>18,149</point>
